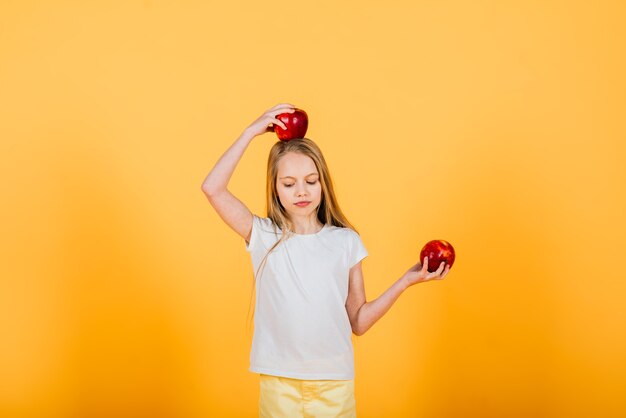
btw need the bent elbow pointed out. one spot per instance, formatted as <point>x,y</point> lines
<point>209,191</point>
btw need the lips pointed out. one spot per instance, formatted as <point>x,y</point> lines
<point>302,204</point>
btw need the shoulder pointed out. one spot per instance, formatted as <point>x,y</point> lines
<point>263,221</point>
<point>350,244</point>
<point>263,235</point>
<point>347,234</point>
<point>265,225</point>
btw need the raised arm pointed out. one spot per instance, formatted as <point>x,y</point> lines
<point>215,186</point>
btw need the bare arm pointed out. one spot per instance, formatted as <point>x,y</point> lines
<point>364,314</point>
<point>215,186</point>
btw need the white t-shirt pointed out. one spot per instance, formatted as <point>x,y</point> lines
<point>301,325</point>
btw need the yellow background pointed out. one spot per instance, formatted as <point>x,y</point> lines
<point>498,126</point>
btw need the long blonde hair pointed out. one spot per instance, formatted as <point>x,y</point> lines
<point>328,211</point>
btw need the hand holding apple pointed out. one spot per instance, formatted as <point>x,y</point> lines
<point>296,124</point>
<point>438,251</point>
<point>419,273</point>
<point>438,257</point>
<point>268,120</point>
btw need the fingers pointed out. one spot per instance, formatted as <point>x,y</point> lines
<point>437,274</point>
<point>275,121</point>
<point>282,105</point>
<point>268,120</point>
<point>282,108</point>
<point>441,267</point>
<point>275,113</point>
<point>424,275</point>
<point>277,110</point>
<point>445,272</point>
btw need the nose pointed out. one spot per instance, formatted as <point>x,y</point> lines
<point>301,190</point>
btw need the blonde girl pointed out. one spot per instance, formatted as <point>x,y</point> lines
<point>310,294</point>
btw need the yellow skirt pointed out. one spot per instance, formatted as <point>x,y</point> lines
<point>292,398</point>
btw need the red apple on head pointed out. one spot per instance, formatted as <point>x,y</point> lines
<point>437,251</point>
<point>296,123</point>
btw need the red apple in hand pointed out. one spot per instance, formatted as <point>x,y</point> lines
<point>296,123</point>
<point>437,251</point>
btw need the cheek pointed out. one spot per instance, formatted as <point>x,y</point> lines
<point>284,195</point>
<point>318,192</point>
<point>281,193</point>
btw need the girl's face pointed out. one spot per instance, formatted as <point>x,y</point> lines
<point>298,181</point>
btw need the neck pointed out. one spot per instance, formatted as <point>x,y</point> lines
<point>306,225</point>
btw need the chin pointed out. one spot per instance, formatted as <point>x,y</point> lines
<point>304,211</point>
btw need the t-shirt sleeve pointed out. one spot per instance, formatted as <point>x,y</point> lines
<point>263,234</point>
<point>357,249</point>
<point>254,235</point>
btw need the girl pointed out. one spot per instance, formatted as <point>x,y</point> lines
<point>310,295</point>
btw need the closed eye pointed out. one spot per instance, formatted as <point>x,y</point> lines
<point>308,182</point>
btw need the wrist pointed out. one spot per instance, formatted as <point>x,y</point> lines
<point>404,283</point>
<point>246,135</point>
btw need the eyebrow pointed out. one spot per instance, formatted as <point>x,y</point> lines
<point>308,175</point>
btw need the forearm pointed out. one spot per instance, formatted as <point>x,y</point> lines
<point>219,176</point>
<point>372,311</point>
